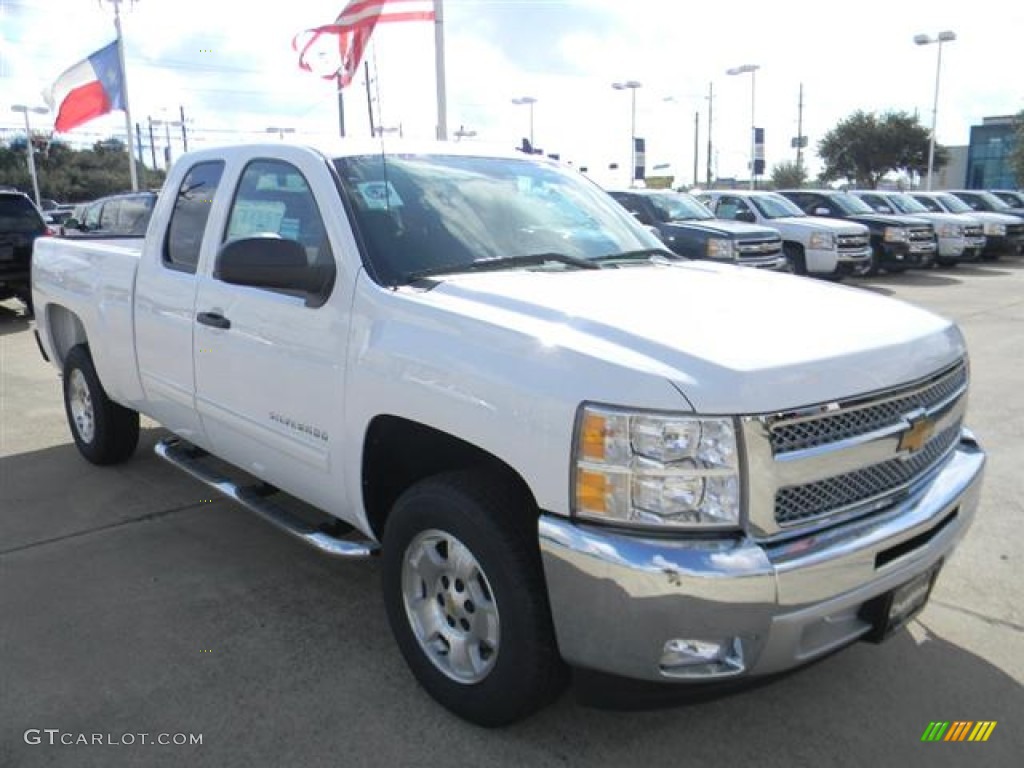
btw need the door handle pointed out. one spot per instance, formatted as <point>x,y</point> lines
<point>213,319</point>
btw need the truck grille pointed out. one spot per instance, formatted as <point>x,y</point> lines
<point>1015,230</point>
<point>922,234</point>
<point>759,249</point>
<point>860,419</point>
<point>803,502</point>
<point>974,230</point>
<point>852,242</point>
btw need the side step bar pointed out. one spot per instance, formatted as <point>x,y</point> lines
<point>331,540</point>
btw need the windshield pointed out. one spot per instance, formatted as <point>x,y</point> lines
<point>994,202</point>
<point>776,207</point>
<point>423,213</point>
<point>906,204</point>
<point>953,204</point>
<point>676,206</point>
<point>850,203</point>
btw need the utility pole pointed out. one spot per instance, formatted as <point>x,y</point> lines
<point>142,161</point>
<point>152,143</point>
<point>711,104</point>
<point>184,133</point>
<point>800,130</point>
<point>696,144</point>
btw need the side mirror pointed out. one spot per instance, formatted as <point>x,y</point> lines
<point>883,209</point>
<point>72,223</point>
<point>819,211</point>
<point>747,216</point>
<point>268,262</point>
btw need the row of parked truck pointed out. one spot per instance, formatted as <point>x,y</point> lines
<point>833,234</point>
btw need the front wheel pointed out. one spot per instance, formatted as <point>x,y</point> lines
<point>105,432</point>
<point>795,256</point>
<point>868,268</point>
<point>465,597</point>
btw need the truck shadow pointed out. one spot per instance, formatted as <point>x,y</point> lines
<point>13,318</point>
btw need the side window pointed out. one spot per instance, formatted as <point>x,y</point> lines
<point>188,219</point>
<point>729,206</point>
<point>633,205</point>
<point>930,204</point>
<point>876,202</point>
<point>135,213</point>
<point>274,198</point>
<point>92,216</point>
<point>108,216</point>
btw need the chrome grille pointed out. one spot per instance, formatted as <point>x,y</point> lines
<point>798,504</point>
<point>921,234</point>
<point>1014,230</point>
<point>972,230</point>
<point>759,247</point>
<point>853,420</point>
<point>852,242</point>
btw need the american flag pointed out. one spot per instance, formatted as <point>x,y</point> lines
<point>335,50</point>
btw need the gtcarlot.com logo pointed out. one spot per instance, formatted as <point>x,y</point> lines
<point>958,730</point>
<point>55,737</point>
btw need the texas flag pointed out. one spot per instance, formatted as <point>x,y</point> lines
<point>90,88</point>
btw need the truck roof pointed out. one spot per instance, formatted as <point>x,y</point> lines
<point>344,147</point>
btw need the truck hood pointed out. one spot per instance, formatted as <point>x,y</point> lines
<point>887,219</point>
<point>737,229</point>
<point>993,218</point>
<point>731,339</point>
<point>819,224</point>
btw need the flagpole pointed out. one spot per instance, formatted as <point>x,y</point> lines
<point>442,103</point>
<point>124,95</point>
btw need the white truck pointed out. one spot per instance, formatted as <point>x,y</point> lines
<point>815,245</point>
<point>568,448</point>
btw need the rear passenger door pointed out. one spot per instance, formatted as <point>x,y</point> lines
<point>165,303</point>
<point>270,362</point>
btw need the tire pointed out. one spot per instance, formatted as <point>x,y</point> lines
<point>461,572</point>
<point>796,258</point>
<point>946,263</point>
<point>105,432</point>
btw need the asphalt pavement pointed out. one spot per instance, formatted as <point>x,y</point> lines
<point>136,607</point>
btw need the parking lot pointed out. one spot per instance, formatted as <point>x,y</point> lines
<point>131,602</point>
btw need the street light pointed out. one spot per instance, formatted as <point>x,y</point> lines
<point>946,36</point>
<point>742,70</point>
<point>529,101</point>
<point>28,143</point>
<point>280,131</point>
<point>631,85</point>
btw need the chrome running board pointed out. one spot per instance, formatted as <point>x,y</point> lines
<point>336,539</point>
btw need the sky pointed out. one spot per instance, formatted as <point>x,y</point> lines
<point>231,66</point>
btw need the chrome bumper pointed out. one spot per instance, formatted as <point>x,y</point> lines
<point>618,599</point>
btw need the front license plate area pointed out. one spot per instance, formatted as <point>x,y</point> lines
<point>891,611</point>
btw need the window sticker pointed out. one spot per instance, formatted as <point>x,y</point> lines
<point>250,217</point>
<point>379,195</point>
<point>289,229</point>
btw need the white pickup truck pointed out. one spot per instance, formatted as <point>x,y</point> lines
<point>570,448</point>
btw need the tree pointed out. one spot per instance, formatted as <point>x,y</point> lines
<point>1017,152</point>
<point>864,147</point>
<point>789,175</point>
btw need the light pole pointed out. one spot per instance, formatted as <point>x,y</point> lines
<point>631,86</point>
<point>28,143</point>
<point>742,70</point>
<point>528,101</point>
<point>946,36</point>
<point>280,131</point>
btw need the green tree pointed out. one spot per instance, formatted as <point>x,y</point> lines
<point>789,175</point>
<point>864,147</point>
<point>1017,152</point>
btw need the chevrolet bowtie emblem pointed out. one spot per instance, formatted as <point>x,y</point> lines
<point>917,434</point>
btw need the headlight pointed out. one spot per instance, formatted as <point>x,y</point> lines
<point>656,470</point>
<point>719,248</point>
<point>896,235</point>
<point>995,230</point>
<point>824,241</point>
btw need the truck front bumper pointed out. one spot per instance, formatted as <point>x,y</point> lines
<point>671,610</point>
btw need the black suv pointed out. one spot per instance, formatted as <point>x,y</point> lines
<point>20,224</point>
<point>125,215</point>
<point>980,200</point>
<point>897,242</point>
<point>689,229</point>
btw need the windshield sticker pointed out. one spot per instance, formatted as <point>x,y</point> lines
<point>251,217</point>
<point>379,195</point>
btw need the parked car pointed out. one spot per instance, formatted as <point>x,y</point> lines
<point>1013,198</point>
<point>981,200</point>
<point>813,245</point>
<point>124,215</point>
<point>961,237</point>
<point>897,242</point>
<point>1003,233</point>
<point>21,224</point>
<point>689,229</point>
<point>671,471</point>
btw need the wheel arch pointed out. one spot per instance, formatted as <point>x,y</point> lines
<point>398,452</point>
<point>65,331</point>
